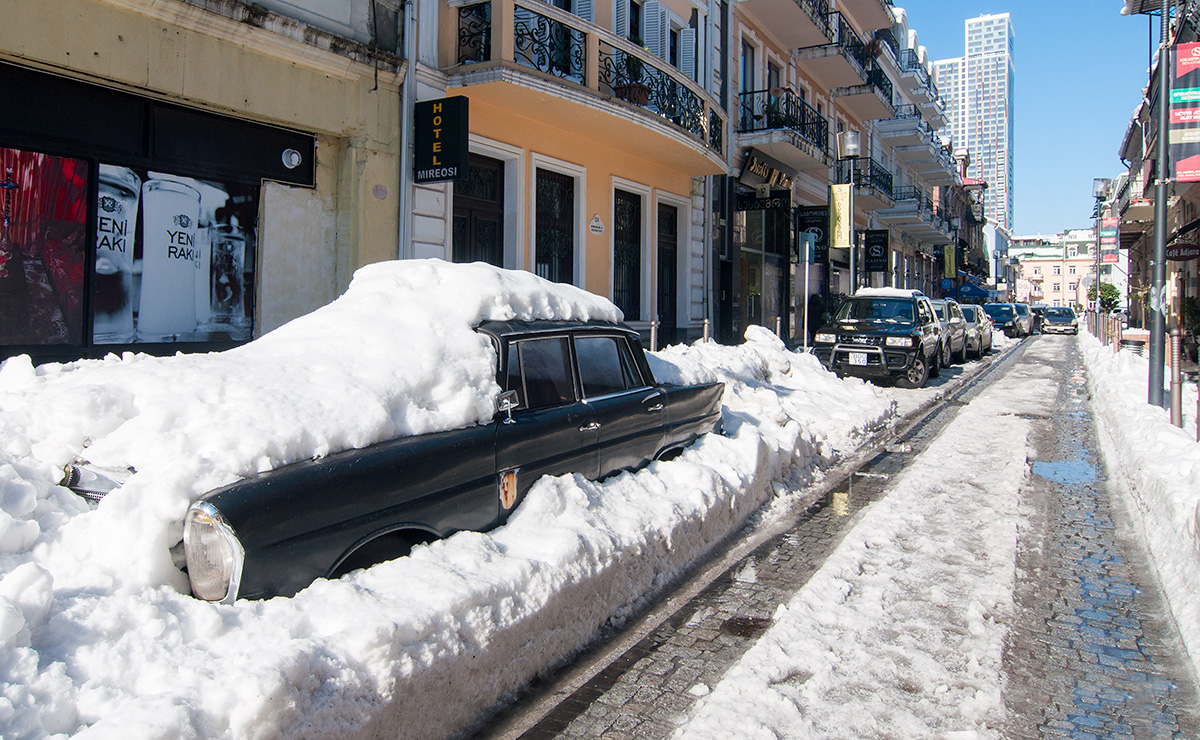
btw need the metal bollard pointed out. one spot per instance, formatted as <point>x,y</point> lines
<point>707,336</point>
<point>779,326</point>
<point>1176,380</point>
<point>653,336</point>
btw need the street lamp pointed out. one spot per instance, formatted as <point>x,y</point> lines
<point>849,145</point>
<point>1100,192</point>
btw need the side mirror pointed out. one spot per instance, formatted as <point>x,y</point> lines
<point>505,403</point>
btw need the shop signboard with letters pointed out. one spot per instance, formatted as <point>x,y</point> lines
<point>441,140</point>
<point>1184,125</point>
<point>875,242</point>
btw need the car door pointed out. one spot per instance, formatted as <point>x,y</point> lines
<point>551,431</point>
<point>630,412</point>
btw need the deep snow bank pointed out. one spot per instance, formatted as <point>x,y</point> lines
<point>98,641</point>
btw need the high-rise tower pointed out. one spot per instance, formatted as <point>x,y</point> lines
<point>978,90</point>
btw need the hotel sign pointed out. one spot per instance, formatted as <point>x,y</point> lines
<point>441,143</point>
<point>763,170</point>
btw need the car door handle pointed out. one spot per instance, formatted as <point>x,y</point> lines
<point>590,427</point>
<point>656,407</point>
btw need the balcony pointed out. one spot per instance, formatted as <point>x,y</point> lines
<point>842,61</point>
<point>904,128</point>
<point>871,14</point>
<point>533,59</point>
<point>940,169</point>
<point>780,124</point>
<point>934,109</point>
<point>793,23</point>
<point>914,78</point>
<point>870,101</point>
<point>910,208</point>
<point>872,182</point>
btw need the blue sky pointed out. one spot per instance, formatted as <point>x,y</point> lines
<point>1080,69</point>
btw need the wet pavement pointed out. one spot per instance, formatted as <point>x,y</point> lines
<point>1094,654</point>
<point>1090,655</point>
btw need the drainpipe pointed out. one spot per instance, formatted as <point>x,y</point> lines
<point>407,98</point>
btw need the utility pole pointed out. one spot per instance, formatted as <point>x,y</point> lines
<point>1158,326</point>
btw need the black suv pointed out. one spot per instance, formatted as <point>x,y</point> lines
<point>884,333</point>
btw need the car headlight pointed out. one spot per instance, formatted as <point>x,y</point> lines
<point>899,341</point>
<point>825,338</point>
<point>214,554</point>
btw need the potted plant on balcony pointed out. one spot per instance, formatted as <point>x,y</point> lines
<point>632,88</point>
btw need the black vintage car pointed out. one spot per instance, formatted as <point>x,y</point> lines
<point>576,398</point>
<point>884,333</point>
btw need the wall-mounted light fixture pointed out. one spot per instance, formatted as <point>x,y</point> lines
<point>292,158</point>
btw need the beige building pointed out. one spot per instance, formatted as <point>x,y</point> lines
<point>670,155</point>
<point>279,129</point>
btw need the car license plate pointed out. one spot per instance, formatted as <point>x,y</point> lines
<point>858,358</point>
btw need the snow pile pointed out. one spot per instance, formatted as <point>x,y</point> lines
<point>901,632</point>
<point>96,638</point>
<point>1161,462</point>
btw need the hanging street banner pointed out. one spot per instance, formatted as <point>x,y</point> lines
<point>1184,126</point>
<point>1109,240</point>
<point>814,221</point>
<point>876,243</point>
<point>441,139</point>
<point>949,263</point>
<point>841,217</point>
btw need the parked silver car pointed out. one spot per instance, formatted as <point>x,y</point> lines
<point>950,314</point>
<point>979,330</point>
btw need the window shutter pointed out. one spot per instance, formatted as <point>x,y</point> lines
<point>621,18</point>
<point>687,52</point>
<point>585,9</point>
<point>657,28</point>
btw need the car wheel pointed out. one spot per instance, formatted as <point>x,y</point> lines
<point>917,374</point>
<point>934,363</point>
<point>947,356</point>
<point>961,357</point>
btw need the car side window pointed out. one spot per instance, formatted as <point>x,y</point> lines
<point>604,366</point>
<point>545,372</point>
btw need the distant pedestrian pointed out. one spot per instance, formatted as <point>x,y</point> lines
<point>816,315</point>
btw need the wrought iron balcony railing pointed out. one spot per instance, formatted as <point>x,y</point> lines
<point>555,42</point>
<point>844,36</point>
<point>766,110</point>
<point>879,79</point>
<point>910,61</point>
<point>907,192</point>
<point>866,172</point>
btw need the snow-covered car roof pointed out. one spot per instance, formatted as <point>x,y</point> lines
<point>888,293</point>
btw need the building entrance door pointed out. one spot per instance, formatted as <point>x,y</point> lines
<point>668,273</point>
<point>479,213</point>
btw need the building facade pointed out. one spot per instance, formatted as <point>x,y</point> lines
<point>187,175</point>
<point>979,92</point>
<point>686,159</point>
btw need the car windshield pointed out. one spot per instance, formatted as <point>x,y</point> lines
<point>999,310</point>
<point>893,310</point>
<point>1060,312</point>
<point>1021,308</point>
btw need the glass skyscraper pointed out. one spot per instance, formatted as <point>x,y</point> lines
<point>978,92</point>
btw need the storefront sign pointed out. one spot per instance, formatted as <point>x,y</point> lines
<point>876,243</point>
<point>1183,252</point>
<point>441,140</point>
<point>1109,238</point>
<point>1184,137</point>
<point>760,169</point>
<point>754,202</point>
<point>814,221</point>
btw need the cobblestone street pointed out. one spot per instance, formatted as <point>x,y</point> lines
<point>1089,656</point>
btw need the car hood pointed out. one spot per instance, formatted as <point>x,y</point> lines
<point>873,327</point>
